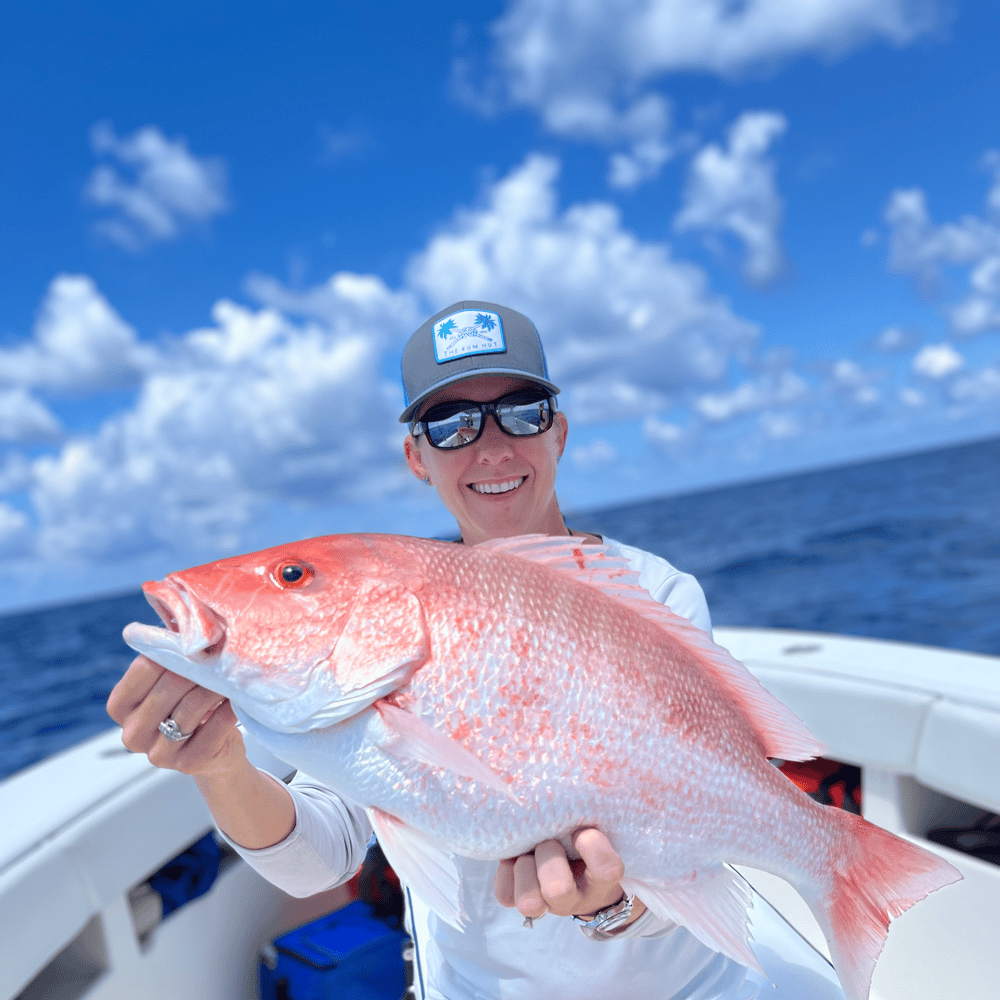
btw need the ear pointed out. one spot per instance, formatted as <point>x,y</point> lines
<point>412,452</point>
<point>562,429</point>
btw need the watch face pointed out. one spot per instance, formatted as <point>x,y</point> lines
<point>609,919</point>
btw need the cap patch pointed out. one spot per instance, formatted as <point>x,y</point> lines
<point>471,331</point>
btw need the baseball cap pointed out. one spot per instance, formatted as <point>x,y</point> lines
<point>466,340</point>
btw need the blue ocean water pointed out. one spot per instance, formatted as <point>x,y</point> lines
<point>905,548</point>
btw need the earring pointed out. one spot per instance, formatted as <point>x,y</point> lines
<point>427,481</point>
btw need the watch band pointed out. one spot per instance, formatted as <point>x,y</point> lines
<point>608,920</point>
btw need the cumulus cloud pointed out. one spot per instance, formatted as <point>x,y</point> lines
<point>80,343</point>
<point>926,251</point>
<point>982,386</point>
<point>937,361</point>
<point>153,188</point>
<point>662,432</point>
<point>15,472</point>
<point>15,534</point>
<point>251,409</point>
<point>894,340</point>
<point>624,322</point>
<point>732,192</point>
<point>584,67</point>
<point>24,419</point>
<point>855,383</point>
<point>911,397</point>
<point>596,455</point>
<point>771,389</point>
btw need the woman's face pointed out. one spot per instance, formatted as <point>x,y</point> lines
<point>495,459</point>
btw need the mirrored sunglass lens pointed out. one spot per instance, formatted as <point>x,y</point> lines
<point>524,419</point>
<point>453,430</point>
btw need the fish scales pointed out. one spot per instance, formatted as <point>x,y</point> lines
<point>477,701</point>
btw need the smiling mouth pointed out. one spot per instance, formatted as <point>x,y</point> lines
<point>506,487</point>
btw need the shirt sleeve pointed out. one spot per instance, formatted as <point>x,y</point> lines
<point>325,848</point>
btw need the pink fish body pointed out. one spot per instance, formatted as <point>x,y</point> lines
<point>477,701</point>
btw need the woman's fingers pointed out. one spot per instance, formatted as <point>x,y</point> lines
<point>603,865</point>
<point>503,882</point>
<point>546,880</point>
<point>210,748</point>
<point>148,695</point>
<point>527,892</point>
<point>132,689</point>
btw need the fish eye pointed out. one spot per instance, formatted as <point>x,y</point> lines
<point>291,574</point>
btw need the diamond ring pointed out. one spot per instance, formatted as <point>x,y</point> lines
<point>172,731</point>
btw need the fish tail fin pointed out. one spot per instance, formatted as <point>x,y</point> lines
<point>875,876</point>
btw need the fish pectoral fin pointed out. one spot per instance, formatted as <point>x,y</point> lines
<point>429,870</point>
<point>712,905</point>
<point>416,739</point>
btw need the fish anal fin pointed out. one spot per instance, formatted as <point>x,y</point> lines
<point>781,732</point>
<point>416,739</point>
<point>712,905</point>
<point>429,870</point>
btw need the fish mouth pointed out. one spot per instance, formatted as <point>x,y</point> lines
<point>193,643</point>
<point>192,628</point>
<point>193,633</point>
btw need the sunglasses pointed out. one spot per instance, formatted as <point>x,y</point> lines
<point>460,422</point>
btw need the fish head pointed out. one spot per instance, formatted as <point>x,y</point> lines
<point>298,636</point>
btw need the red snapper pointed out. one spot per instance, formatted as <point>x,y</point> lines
<point>478,700</point>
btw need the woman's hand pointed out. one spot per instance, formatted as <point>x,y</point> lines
<point>547,881</point>
<point>148,694</point>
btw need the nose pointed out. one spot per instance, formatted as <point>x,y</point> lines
<point>493,445</point>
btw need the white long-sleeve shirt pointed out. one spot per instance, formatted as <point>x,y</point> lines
<point>495,957</point>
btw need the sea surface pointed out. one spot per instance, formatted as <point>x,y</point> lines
<point>904,548</point>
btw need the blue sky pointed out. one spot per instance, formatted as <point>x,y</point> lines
<point>755,238</point>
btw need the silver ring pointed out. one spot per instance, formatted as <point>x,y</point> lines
<point>172,731</point>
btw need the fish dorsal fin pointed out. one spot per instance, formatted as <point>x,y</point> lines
<point>782,733</point>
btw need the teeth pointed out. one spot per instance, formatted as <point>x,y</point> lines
<point>498,487</point>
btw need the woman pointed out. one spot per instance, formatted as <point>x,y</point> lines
<point>486,434</point>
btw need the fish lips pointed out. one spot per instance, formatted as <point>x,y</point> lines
<point>193,644</point>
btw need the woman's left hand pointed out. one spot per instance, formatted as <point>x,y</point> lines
<point>547,881</point>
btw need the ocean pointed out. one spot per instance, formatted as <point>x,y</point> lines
<point>904,548</point>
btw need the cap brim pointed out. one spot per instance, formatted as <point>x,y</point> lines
<point>408,414</point>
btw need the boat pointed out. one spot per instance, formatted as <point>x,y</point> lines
<point>83,830</point>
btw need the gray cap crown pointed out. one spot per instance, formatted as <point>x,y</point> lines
<point>468,339</point>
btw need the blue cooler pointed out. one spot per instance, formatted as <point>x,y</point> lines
<point>349,953</point>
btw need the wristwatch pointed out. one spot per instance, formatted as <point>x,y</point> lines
<point>608,920</point>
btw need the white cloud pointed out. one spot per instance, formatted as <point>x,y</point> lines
<point>583,66</point>
<point>778,426</point>
<point>662,432</point>
<point>911,397</point>
<point>937,361</point>
<point>614,311</point>
<point>251,409</point>
<point>80,343</point>
<point>24,419</point>
<point>598,454</point>
<point>982,386</point>
<point>15,472</point>
<point>771,389</point>
<point>15,535</point>
<point>894,339</point>
<point>855,383</point>
<point>925,251</point>
<point>732,192</point>
<point>169,189</point>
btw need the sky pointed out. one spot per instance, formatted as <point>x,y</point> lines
<point>756,236</point>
